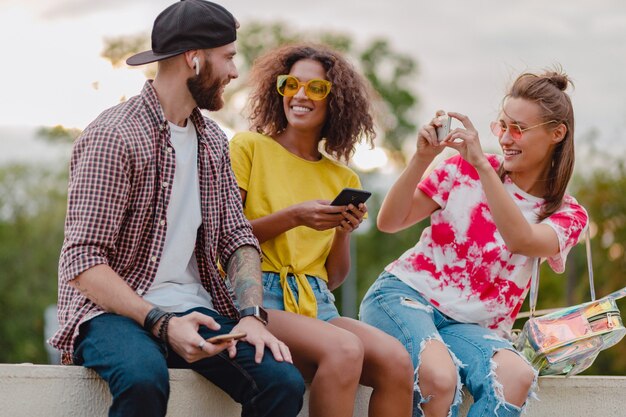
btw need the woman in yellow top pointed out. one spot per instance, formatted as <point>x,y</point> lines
<point>304,95</point>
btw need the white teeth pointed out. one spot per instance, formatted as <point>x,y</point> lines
<point>300,108</point>
<point>511,152</point>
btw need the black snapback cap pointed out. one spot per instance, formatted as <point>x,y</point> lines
<point>187,25</point>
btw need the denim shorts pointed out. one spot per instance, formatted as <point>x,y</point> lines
<point>399,310</point>
<point>273,294</point>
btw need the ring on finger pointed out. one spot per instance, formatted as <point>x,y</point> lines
<point>201,344</point>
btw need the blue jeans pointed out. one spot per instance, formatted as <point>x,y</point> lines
<point>273,294</point>
<point>399,310</point>
<point>135,366</point>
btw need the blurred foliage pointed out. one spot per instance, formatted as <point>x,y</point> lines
<point>118,48</point>
<point>377,249</point>
<point>391,86</point>
<point>32,208</point>
<point>58,133</point>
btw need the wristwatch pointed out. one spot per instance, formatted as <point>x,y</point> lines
<point>257,312</point>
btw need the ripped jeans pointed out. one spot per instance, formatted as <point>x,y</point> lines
<point>402,312</point>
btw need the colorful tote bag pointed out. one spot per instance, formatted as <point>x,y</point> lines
<point>567,341</point>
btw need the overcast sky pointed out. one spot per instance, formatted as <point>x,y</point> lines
<point>467,51</point>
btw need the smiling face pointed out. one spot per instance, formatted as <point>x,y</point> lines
<point>531,155</point>
<point>301,112</point>
<point>217,68</point>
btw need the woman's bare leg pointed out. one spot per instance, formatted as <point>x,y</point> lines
<point>387,368</point>
<point>438,379</point>
<point>328,356</point>
<point>515,375</point>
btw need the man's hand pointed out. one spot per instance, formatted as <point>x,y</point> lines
<point>184,338</point>
<point>259,337</point>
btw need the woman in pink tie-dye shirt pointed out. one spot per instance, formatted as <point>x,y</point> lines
<point>453,297</point>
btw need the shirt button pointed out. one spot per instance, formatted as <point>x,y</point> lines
<point>165,184</point>
<point>140,292</point>
<point>169,149</point>
<point>162,222</point>
<point>153,259</point>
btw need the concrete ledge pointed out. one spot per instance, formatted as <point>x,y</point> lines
<point>55,391</point>
<point>60,391</point>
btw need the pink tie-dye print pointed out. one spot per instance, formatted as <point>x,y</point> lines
<point>461,263</point>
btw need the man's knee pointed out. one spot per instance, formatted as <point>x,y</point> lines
<point>287,381</point>
<point>142,376</point>
<point>281,391</point>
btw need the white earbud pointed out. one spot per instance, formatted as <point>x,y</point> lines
<point>196,65</point>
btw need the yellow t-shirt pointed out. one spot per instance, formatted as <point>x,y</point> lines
<point>274,179</point>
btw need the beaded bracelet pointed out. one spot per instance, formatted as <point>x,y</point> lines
<point>152,318</point>
<point>164,324</point>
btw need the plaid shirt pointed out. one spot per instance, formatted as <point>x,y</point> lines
<point>121,172</point>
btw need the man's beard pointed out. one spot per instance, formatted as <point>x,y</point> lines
<point>205,90</point>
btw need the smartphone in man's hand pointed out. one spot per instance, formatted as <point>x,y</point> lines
<point>227,337</point>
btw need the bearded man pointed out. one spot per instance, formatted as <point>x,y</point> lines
<point>152,208</point>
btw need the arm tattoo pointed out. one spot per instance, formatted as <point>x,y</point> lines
<point>244,272</point>
<point>85,292</point>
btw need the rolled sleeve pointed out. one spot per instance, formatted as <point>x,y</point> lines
<point>569,222</point>
<point>97,195</point>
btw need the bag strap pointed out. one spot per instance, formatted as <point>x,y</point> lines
<point>534,280</point>
<point>616,295</point>
<point>592,287</point>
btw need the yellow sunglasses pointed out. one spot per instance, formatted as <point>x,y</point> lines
<point>315,89</point>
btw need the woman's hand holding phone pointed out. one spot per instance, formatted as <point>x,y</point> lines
<point>317,214</point>
<point>354,200</point>
<point>467,142</point>
<point>428,143</point>
<point>345,212</point>
<point>353,217</point>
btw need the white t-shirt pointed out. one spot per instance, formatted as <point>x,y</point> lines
<point>177,287</point>
<point>461,263</point>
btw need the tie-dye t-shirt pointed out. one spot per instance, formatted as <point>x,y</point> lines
<point>461,263</point>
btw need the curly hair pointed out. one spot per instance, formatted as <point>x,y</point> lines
<point>349,114</point>
<point>547,89</point>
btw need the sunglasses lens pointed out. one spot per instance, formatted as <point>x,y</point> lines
<point>317,89</point>
<point>287,85</point>
<point>496,128</point>
<point>515,131</point>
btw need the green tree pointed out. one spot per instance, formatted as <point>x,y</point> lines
<point>58,134</point>
<point>32,208</point>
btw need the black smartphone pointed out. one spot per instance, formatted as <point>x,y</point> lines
<point>351,196</point>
